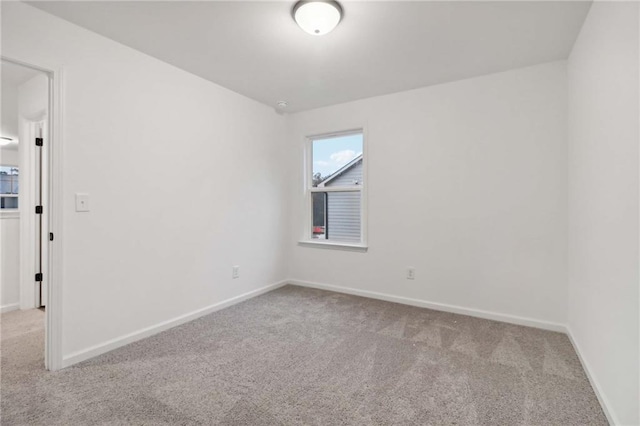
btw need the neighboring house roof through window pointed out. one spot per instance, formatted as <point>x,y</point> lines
<point>341,171</point>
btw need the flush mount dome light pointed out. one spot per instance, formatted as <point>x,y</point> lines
<point>317,17</point>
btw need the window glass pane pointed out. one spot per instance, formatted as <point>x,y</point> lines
<point>337,161</point>
<point>319,209</point>
<point>8,180</point>
<point>9,186</point>
<point>8,202</point>
<point>336,216</point>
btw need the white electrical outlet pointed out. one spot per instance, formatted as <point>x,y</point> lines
<point>411,273</point>
<point>235,273</point>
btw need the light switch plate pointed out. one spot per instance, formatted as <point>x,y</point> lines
<point>82,202</point>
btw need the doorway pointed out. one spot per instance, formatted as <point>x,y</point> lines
<point>25,209</point>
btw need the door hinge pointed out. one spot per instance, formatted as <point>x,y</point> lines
<point>39,141</point>
<point>50,236</point>
<point>38,209</point>
<point>39,276</point>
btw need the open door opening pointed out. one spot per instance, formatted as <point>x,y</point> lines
<point>24,209</point>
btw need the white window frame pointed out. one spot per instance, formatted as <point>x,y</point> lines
<point>309,189</point>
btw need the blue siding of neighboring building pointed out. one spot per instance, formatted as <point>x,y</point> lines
<point>343,216</point>
<point>343,208</point>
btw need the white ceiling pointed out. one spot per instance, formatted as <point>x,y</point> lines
<point>255,48</point>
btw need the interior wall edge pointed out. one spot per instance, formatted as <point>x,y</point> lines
<point>597,389</point>
<point>110,345</point>
<point>478,313</point>
<point>9,307</point>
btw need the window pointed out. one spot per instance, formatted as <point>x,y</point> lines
<point>9,187</point>
<point>335,189</point>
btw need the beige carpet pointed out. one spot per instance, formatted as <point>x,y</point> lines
<point>298,356</point>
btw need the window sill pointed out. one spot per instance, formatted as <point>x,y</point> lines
<point>334,245</point>
<point>9,214</point>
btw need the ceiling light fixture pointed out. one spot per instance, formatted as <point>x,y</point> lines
<point>4,141</point>
<point>317,17</point>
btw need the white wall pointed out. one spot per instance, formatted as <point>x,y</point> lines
<point>9,157</point>
<point>9,221</point>
<point>154,247</point>
<point>603,203</point>
<point>9,116</point>
<point>10,261</point>
<point>33,98</point>
<point>466,184</point>
<point>9,244</point>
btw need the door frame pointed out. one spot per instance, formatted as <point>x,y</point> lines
<point>52,214</point>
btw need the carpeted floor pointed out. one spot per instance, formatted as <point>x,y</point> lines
<point>299,356</point>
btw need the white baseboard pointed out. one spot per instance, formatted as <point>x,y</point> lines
<point>10,307</point>
<point>511,319</point>
<point>110,345</point>
<point>604,402</point>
